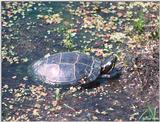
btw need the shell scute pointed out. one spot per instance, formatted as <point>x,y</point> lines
<point>66,72</point>
<point>53,59</point>
<point>80,70</point>
<point>68,57</point>
<point>85,59</point>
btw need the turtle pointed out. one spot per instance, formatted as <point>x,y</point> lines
<point>73,68</point>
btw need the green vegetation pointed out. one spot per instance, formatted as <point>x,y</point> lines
<point>67,36</point>
<point>155,34</point>
<point>57,94</point>
<point>139,23</point>
<point>150,114</point>
<point>68,43</point>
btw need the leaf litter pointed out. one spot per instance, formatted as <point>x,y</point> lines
<point>30,30</point>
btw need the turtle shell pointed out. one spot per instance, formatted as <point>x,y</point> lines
<point>66,68</point>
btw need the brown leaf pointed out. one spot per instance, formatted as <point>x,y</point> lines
<point>119,14</point>
<point>37,105</point>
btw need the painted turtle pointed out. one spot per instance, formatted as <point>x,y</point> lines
<point>72,67</point>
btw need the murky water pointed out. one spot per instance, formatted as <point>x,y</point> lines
<point>35,42</point>
<point>29,37</point>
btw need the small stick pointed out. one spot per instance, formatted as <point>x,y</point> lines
<point>69,107</point>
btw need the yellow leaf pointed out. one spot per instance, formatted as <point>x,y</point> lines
<point>54,103</point>
<point>35,112</point>
<point>104,113</point>
<point>18,95</point>
<point>43,93</point>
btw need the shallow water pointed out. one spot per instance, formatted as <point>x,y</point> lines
<point>33,44</point>
<point>28,37</point>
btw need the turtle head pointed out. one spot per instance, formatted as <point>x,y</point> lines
<point>108,64</point>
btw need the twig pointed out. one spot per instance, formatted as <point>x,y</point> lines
<point>69,107</point>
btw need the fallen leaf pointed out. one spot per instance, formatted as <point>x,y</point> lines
<point>35,112</point>
<point>104,113</point>
<point>18,95</point>
<point>111,109</point>
<point>14,77</point>
<point>37,105</point>
<point>54,103</point>
<point>119,14</point>
<point>25,78</point>
<point>94,117</point>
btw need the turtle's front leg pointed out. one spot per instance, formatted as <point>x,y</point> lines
<point>113,74</point>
